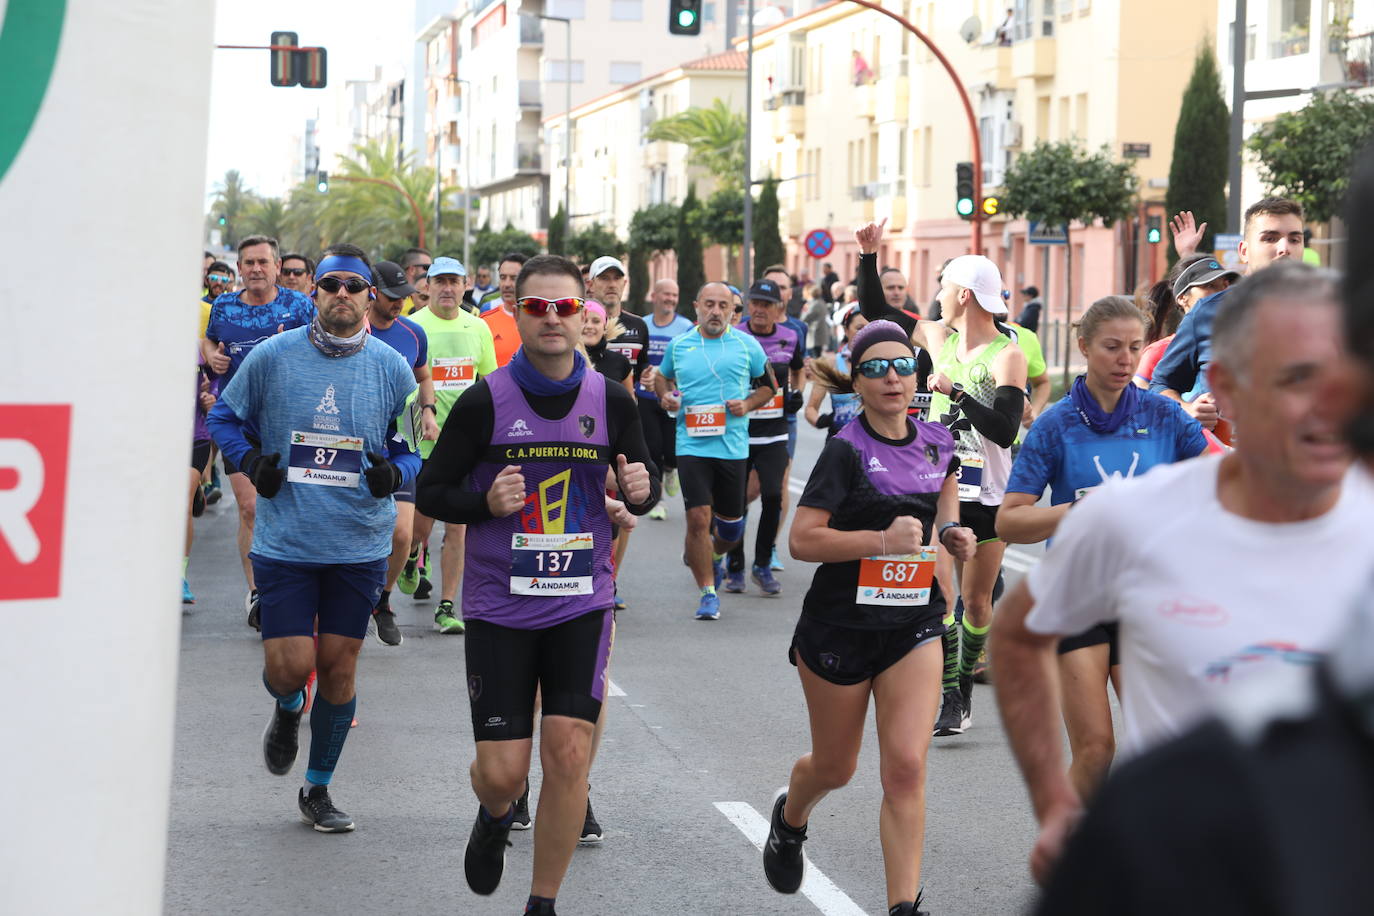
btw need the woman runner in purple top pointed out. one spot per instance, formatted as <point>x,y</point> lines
<point>881,498</point>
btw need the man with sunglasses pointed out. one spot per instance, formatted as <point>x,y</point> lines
<point>323,401</point>
<point>298,273</point>
<point>768,433</point>
<point>239,321</point>
<point>460,353</point>
<point>722,374</point>
<point>524,463</point>
<point>415,262</point>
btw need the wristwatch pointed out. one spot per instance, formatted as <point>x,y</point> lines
<point>956,393</point>
<point>431,408</point>
<point>940,537</point>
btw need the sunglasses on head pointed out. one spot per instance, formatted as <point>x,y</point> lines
<point>539,306</point>
<point>219,278</point>
<point>352,284</point>
<point>293,271</point>
<point>877,368</point>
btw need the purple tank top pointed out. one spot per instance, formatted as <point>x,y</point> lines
<point>551,561</point>
<point>918,467</point>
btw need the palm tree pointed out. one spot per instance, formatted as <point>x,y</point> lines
<point>714,136</point>
<point>266,216</point>
<point>372,216</point>
<point>231,201</point>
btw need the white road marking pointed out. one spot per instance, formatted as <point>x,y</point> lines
<point>614,690</point>
<point>819,889</point>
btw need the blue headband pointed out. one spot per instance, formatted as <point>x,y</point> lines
<point>343,262</point>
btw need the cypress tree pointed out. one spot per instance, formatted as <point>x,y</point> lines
<point>691,269</point>
<point>1197,175</point>
<point>768,247</point>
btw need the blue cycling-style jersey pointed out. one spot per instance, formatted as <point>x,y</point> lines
<point>241,327</point>
<point>1062,453</point>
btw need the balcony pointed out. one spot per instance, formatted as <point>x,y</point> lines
<point>1294,42</point>
<point>528,157</point>
<point>875,190</point>
<point>996,67</point>
<point>530,94</point>
<point>865,100</point>
<point>1359,59</point>
<point>789,113</point>
<point>1033,59</point>
<point>531,32</point>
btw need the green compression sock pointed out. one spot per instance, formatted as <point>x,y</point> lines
<point>974,640</point>
<point>950,643</point>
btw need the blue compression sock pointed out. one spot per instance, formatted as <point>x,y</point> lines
<point>329,727</point>
<point>288,701</point>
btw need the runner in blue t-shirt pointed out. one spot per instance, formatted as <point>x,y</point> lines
<point>1105,429</point>
<point>722,374</point>
<point>408,338</point>
<point>238,322</point>
<point>660,427</point>
<point>324,399</point>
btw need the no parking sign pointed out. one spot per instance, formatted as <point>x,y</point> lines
<point>819,243</point>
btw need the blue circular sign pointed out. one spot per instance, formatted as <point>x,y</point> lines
<point>819,243</point>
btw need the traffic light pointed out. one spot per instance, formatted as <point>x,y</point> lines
<point>1154,229</point>
<point>312,68</point>
<point>963,189</point>
<point>322,181</point>
<point>991,206</point>
<point>222,220</point>
<point>684,17</point>
<point>284,62</point>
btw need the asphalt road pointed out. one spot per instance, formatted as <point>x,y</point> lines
<point>705,724</point>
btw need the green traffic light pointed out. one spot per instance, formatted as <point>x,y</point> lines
<point>222,221</point>
<point>1153,236</point>
<point>964,206</point>
<point>685,18</point>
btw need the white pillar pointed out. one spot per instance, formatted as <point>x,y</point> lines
<point>102,170</point>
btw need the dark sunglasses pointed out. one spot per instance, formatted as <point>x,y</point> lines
<point>219,278</point>
<point>293,271</point>
<point>352,284</point>
<point>538,306</point>
<point>877,368</point>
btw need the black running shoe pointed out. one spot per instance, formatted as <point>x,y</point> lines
<point>484,860</point>
<point>966,701</point>
<point>591,830</point>
<point>423,589</point>
<point>951,721</point>
<point>387,632</point>
<point>281,740</point>
<point>197,503</point>
<point>909,909</point>
<point>522,810</point>
<point>317,810</point>
<point>254,604</point>
<point>784,863</point>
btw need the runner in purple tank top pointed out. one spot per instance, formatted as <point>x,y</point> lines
<point>523,462</point>
<point>882,497</point>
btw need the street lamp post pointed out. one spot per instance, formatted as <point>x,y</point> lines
<point>567,117</point>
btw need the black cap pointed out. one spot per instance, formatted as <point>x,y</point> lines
<point>1031,291</point>
<point>1200,273</point>
<point>390,280</point>
<point>765,291</point>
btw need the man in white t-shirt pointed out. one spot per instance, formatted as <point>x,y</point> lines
<point>1219,570</point>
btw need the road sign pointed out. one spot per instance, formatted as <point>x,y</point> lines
<point>819,243</point>
<point>1135,150</point>
<point>1040,234</point>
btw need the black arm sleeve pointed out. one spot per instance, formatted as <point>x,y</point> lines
<point>998,423</point>
<point>442,490</point>
<point>627,438</point>
<point>872,305</point>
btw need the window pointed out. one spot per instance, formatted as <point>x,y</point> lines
<point>1295,18</point>
<point>627,11</point>
<point>708,12</point>
<point>1063,132</point>
<point>566,9</point>
<point>557,71</point>
<point>625,71</point>
<point>1042,119</point>
<point>1081,106</point>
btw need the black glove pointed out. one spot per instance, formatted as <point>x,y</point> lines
<point>793,403</point>
<point>383,478</point>
<point>263,473</point>
<point>825,420</point>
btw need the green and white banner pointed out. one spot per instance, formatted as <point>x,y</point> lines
<point>103,119</point>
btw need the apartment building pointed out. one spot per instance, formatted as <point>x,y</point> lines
<point>1295,45</point>
<point>862,122</point>
<point>514,69</point>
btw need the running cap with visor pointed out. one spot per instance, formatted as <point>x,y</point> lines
<point>1200,273</point>
<point>391,280</point>
<point>445,266</point>
<point>603,264</point>
<point>979,276</point>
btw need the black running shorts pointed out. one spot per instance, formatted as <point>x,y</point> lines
<point>982,519</point>
<point>715,482</point>
<point>845,655</point>
<point>567,662</point>
<point>1095,636</point>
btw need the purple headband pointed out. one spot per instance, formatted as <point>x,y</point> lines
<point>877,332</point>
<point>592,305</point>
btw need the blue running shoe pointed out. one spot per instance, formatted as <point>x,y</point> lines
<point>719,566</point>
<point>734,582</point>
<point>774,563</point>
<point>709,609</point>
<point>187,597</point>
<point>763,578</point>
